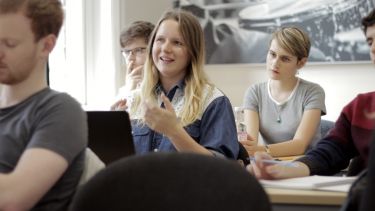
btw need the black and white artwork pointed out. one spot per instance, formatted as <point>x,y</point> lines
<point>238,31</point>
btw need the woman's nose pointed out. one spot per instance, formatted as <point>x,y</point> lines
<point>166,46</point>
<point>275,62</point>
<point>372,48</point>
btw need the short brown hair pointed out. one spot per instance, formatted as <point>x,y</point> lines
<point>46,15</point>
<point>368,20</point>
<point>138,29</point>
<point>293,40</point>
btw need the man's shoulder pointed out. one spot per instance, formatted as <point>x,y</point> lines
<point>367,95</point>
<point>50,103</point>
<point>360,106</point>
<point>53,97</point>
<point>363,99</point>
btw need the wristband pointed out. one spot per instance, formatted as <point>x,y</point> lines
<point>267,149</point>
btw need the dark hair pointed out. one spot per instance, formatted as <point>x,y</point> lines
<point>46,15</point>
<point>368,20</point>
<point>138,29</point>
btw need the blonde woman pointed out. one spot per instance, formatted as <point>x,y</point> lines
<point>177,108</point>
<point>286,109</point>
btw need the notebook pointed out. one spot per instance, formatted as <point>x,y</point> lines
<point>110,135</point>
<point>315,182</point>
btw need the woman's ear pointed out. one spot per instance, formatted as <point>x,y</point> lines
<point>301,62</point>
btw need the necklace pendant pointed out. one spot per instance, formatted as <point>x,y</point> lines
<point>278,120</point>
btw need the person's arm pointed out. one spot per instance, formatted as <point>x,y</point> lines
<point>334,151</point>
<point>165,121</point>
<point>252,124</point>
<point>262,170</point>
<point>302,138</point>
<point>297,146</point>
<point>252,128</point>
<point>217,127</point>
<point>313,106</point>
<point>36,172</point>
<point>252,101</point>
<point>58,135</point>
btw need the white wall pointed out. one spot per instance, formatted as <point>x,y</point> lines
<point>341,82</point>
<point>146,10</point>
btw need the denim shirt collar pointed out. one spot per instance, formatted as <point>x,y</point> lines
<point>159,89</point>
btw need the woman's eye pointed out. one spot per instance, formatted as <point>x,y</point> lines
<point>178,43</point>
<point>10,44</point>
<point>286,59</point>
<point>159,39</point>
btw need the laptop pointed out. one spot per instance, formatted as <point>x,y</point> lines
<point>110,135</point>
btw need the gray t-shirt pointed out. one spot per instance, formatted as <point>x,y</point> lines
<point>279,122</point>
<point>50,120</point>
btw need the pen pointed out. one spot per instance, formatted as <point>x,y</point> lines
<point>278,162</point>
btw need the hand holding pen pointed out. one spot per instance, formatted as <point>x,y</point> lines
<point>263,166</point>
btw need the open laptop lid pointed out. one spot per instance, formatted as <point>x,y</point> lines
<point>110,135</point>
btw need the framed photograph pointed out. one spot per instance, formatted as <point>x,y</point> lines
<point>238,31</point>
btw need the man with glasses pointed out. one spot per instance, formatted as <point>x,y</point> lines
<point>133,41</point>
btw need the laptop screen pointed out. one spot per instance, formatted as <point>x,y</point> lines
<point>110,135</point>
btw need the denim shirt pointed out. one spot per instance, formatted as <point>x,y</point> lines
<point>214,129</point>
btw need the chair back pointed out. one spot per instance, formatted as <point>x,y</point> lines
<point>172,181</point>
<point>326,126</point>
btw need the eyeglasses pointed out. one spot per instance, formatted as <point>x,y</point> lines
<point>136,51</point>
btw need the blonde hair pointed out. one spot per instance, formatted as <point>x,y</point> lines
<point>293,40</point>
<point>195,78</point>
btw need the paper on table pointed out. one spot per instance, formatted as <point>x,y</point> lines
<point>311,182</point>
<point>337,188</point>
